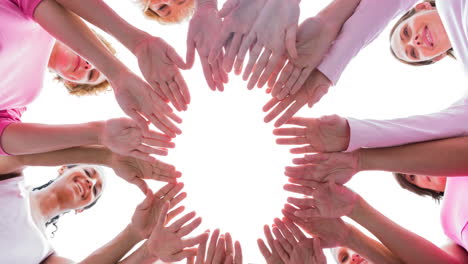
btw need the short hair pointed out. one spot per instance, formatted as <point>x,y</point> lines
<point>405,184</point>
<point>89,89</point>
<point>406,16</point>
<point>177,17</point>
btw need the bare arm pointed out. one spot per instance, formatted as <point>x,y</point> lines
<point>446,157</point>
<point>410,247</point>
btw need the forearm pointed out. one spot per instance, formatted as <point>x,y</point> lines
<point>113,251</point>
<point>27,138</point>
<point>446,157</point>
<point>371,249</point>
<point>140,256</point>
<point>337,12</point>
<point>73,32</point>
<point>98,13</point>
<point>408,246</point>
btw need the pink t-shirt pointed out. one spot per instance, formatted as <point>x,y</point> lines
<point>8,117</point>
<point>21,241</point>
<point>454,214</point>
<point>25,48</point>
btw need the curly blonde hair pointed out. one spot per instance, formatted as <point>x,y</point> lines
<point>175,17</point>
<point>88,89</point>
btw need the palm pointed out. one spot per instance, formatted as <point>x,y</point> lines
<point>305,252</point>
<point>332,232</point>
<point>121,135</point>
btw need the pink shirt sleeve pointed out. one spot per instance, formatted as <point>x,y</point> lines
<point>8,117</point>
<point>368,20</point>
<point>451,122</point>
<point>27,6</point>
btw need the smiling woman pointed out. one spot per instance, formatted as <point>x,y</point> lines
<point>168,11</point>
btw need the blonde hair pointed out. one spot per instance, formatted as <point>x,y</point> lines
<point>176,17</point>
<point>88,89</point>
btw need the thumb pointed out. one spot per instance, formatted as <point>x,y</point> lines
<point>176,59</point>
<point>228,7</point>
<point>290,40</point>
<point>144,188</point>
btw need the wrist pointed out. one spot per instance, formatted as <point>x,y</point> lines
<point>358,161</point>
<point>147,254</point>
<point>132,234</point>
<point>357,210</point>
<point>96,128</point>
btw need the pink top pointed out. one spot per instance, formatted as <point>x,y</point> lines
<point>454,214</point>
<point>8,117</point>
<point>24,51</point>
<point>21,241</point>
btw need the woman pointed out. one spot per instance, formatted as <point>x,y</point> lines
<point>167,11</point>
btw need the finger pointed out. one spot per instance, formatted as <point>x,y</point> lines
<point>180,222</point>
<point>151,150</point>
<point>220,251</point>
<point>165,125</point>
<point>290,83</point>
<point>259,67</point>
<point>301,80</point>
<point>315,158</point>
<point>142,155</point>
<point>291,33</point>
<point>190,55</point>
<point>290,131</point>
<point>304,149</point>
<point>229,259</point>
<point>208,73</point>
<point>185,253</point>
<point>141,184</point>
<point>179,198</point>
<point>174,118</point>
<point>312,185</point>
<point>245,45</point>
<point>146,203</point>
<point>229,245</point>
<point>301,202</point>
<point>176,59</point>
<point>298,234</point>
<point>202,251</point>
<point>151,134</point>
<point>270,104</point>
<point>281,252</point>
<point>279,237</point>
<point>230,56</point>
<point>167,92</point>
<point>308,213</point>
<point>320,257</point>
<point>275,73</point>
<point>175,213</point>
<point>217,76</point>
<point>284,76</point>
<point>272,65</point>
<point>187,229</point>
<point>175,90</point>
<point>263,249</point>
<point>298,189</point>
<point>253,56</point>
<point>212,246</point>
<point>172,192</point>
<point>157,143</point>
<point>162,217</point>
<point>191,260</point>
<point>286,232</point>
<point>224,75</point>
<point>219,43</point>
<point>141,122</point>
<point>279,108</point>
<point>228,7</point>
<point>269,237</point>
<point>292,141</point>
<point>190,242</point>
<point>290,112</point>
<point>238,253</point>
<point>180,81</point>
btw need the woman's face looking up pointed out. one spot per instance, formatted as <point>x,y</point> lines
<point>164,8</point>
<point>347,256</point>
<point>72,68</point>
<point>421,37</point>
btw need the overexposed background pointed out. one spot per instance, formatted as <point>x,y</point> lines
<point>231,165</point>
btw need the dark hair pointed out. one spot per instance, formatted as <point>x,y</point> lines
<point>405,184</point>
<point>53,221</point>
<point>406,16</point>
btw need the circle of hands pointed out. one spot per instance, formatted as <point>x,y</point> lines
<point>282,55</point>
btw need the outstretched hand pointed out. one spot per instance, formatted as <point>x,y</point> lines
<point>314,38</point>
<point>338,167</point>
<point>314,88</point>
<point>270,254</point>
<point>220,250</point>
<point>204,26</point>
<point>125,137</point>
<point>145,216</point>
<point>328,200</point>
<point>294,247</point>
<point>168,243</point>
<point>325,134</point>
<point>159,63</point>
<point>135,170</point>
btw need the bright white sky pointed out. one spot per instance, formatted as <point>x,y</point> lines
<point>232,168</point>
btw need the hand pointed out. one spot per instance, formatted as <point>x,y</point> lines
<point>139,101</point>
<point>239,17</point>
<point>329,200</point>
<point>333,232</point>
<point>159,63</point>
<point>135,170</point>
<point>220,250</point>
<point>338,167</point>
<point>125,137</point>
<point>168,243</point>
<point>294,247</point>
<point>311,92</point>
<point>314,38</point>
<point>203,27</point>
<point>273,36</point>
<point>325,134</point>
<point>145,216</point>
<point>271,255</point>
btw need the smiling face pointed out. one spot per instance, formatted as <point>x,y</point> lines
<point>169,11</point>
<point>72,68</point>
<point>344,255</point>
<point>421,37</point>
<point>427,182</point>
<point>78,187</point>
